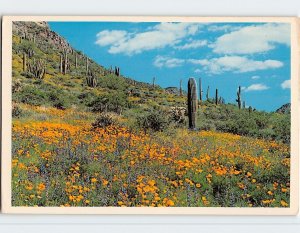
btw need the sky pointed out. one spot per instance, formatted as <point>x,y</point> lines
<point>255,56</point>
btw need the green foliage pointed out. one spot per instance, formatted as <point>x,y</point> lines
<point>58,99</point>
<point>30,95</point>
<point>155,120</point>
<point>16,111</point>
<point>112,102</point>
<point>113,82</point>
<point>103,121</point>
<point>228,118</point>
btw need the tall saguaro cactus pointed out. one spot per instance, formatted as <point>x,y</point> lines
<point>180,87</point>
<point>117,71</point>
<point>87,65</point>
<point>24,62</point>
<point>153,82</point>
<point>207,93</point>
<point>200,90</point>
<point>76,61</point>
<point>239,98</point>
<point>192,102</point>
<point>217,97</point>
<point>91,79</point>
<point>64,63</point>
<point>37,68</point>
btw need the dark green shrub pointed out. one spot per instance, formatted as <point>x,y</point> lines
<point>154,120</point>
<point>103,121</point>
<point>31,95</point>
<point>114,102</point>
<point>16,111</point>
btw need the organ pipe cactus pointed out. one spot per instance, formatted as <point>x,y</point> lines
<point>192,102</point>
<point>216,98</point>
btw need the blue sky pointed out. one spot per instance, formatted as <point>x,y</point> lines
<point>255,56</point>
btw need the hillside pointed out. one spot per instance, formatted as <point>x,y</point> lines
<point>48,71</point>
<point>85,135</point>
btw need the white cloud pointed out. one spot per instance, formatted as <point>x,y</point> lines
<point>286,84</point>
<point>192,45</point>
<point>197,71</point>
<point>253,39</point>
<point>161,61</point>
<point>255,77</point>
<point>256,87</point>
<point>106,37</point>
<point>226,28</point>
<point>236,64</point>
<point>159,36</point>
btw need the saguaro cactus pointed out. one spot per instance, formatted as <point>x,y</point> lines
<point>91,79</point>
<point>200,90</point>
<point>153,81</point>
<point>37,69</point>
<point>216,98</point>
<point>76,61</point>
<point>244,104</point>
<point>180,87</point>
<point>117,71</point>
<point>24,62</point>
<point>192,102</point>
<point>87,65</point>
<point>64,62</point>
<point>239,99</point>
<point>61,64</point>
<point>207,93</point>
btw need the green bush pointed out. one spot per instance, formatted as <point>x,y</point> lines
<point>113,102</point>
<point>31,95</point>
<point>155,120</point>
<point>103,121</point>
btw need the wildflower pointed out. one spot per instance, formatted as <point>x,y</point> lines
<point>94,180</point>
<point>283,203</point>
<point>41,187</point>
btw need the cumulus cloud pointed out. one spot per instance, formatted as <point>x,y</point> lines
<point>236,64</point>
<point>286,84</point>
<point>161,61</point>
<point>197,71</point>
<point>158,36</point>
<point>253,39</point>
<point>256,87</point>
<point>192,45</point>
<point>255,77</point>
<point>107,37</point>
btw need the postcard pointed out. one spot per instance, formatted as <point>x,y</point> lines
<point>150,115</point>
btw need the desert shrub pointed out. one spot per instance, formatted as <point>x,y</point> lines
<point>103,121</point>
<point>16,111</point>
<point>112,82</point>
<point>155,120</point>
<point>58,100</point>
<point>282,128</point>
<point>31,95</point>
<point>113,102</point>
<point>177,115</point>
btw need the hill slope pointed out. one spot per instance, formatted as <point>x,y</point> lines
<point>48,72</point>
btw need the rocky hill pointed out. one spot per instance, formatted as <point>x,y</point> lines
<point>284,109</point>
